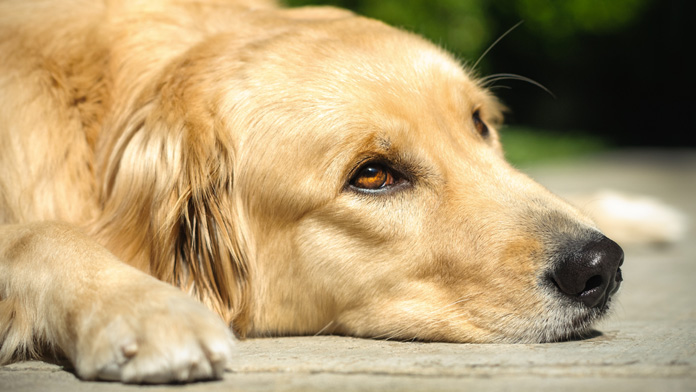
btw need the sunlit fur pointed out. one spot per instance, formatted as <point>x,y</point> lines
<point>210,144</point>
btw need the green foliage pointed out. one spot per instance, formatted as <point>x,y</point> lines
<point>468,27</point>
<point>524,146</point>
<point>465,26</point>
<point>462,27</point>
<point>561,19</point>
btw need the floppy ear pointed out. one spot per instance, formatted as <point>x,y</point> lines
<point>170,205</point>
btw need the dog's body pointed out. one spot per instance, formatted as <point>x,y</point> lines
<point>297,171</point>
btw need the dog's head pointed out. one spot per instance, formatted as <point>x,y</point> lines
<point>353,176</point>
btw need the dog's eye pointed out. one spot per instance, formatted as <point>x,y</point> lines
<point>480,126</point>
<point>373,176</point>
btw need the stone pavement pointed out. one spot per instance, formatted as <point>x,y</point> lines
<point>648,344</point>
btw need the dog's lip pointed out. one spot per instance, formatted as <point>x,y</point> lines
<point>578,316</point>
<point>583,320</point>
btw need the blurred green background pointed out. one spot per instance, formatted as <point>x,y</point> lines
<point>621,71</point>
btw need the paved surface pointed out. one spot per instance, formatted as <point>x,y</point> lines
<point>648,344</point>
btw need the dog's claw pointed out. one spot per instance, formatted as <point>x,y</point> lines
<point>129,349</point>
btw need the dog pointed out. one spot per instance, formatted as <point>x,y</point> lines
<point>180,174</point>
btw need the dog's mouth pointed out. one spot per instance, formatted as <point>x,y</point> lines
<point>579,288</point>
<point>574,316</point>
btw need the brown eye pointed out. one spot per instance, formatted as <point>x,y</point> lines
<point>373,176</point>
<point>480,126</point>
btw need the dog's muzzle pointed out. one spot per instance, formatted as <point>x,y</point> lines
<point>589,272</point>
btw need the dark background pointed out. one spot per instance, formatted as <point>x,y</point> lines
<point>619,70</point>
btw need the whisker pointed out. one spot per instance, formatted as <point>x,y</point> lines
<point>488,80</point>
<point>499,86</point>
<point>325,328</point>
<point>495,43</point>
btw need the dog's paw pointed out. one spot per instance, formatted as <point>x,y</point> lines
<point>159,335</point>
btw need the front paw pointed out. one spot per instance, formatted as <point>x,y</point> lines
<point>152,335</point>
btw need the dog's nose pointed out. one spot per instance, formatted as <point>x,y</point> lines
<point>591,273</point>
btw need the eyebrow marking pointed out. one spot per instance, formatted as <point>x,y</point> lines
<point>384,143</point>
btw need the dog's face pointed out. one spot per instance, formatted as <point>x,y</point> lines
<point>377,202</point>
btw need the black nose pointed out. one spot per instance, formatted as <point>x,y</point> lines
<point>591,272</point>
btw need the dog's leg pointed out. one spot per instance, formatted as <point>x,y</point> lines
<point>59,288</point>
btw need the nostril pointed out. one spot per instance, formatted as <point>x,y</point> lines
<point>592,283</point>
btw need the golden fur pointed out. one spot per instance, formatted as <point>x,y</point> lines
<point>210,144</point>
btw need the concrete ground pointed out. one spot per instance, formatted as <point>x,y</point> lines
<point>648,344</point>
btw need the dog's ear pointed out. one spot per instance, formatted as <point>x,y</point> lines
<point>171,207</point>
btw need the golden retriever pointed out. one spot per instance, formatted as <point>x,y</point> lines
<point>176,171</point>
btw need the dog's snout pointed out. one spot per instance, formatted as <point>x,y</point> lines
<point>590,273</point>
